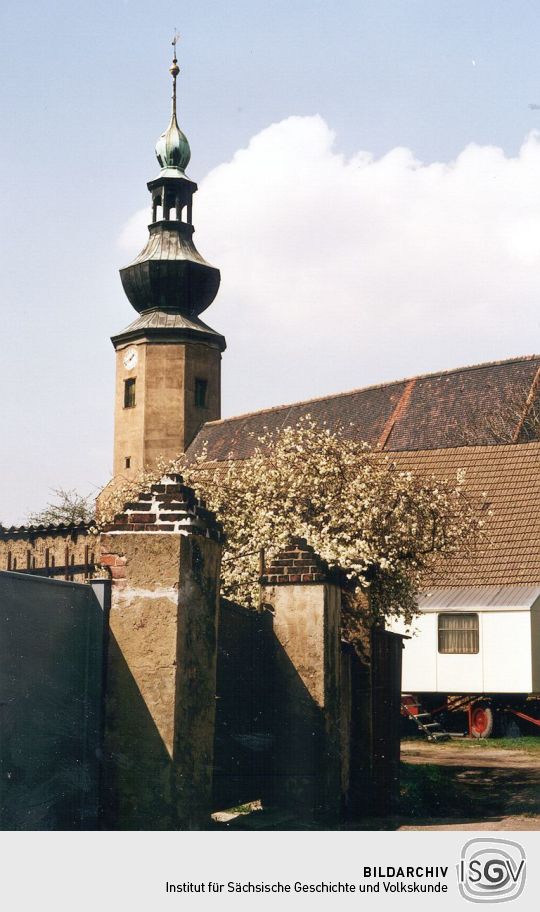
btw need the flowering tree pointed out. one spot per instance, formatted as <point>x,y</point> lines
<point>360,512</point>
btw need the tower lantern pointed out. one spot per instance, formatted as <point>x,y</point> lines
<point>168,360</point>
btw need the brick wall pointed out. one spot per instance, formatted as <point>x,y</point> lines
<point>297,564</point>
<point>169,506</point>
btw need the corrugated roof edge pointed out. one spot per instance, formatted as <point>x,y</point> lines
<point>511,597</point>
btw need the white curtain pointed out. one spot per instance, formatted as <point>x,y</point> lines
<point>458,633</point>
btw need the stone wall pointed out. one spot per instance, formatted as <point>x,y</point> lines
<point>245,707</point>
<point>306,600</point>
<point>51,655</point>
<point>303,722</point>
<point>164,554</point>
<point>62,552</point>
<point>338,705</point>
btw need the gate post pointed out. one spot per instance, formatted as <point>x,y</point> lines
<point>163,554</point>
<point>306,600</point>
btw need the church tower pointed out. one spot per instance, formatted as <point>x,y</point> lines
<point>168,362</point>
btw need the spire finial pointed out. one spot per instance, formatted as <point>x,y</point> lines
<point>174,71</point>
<point>172,148</point>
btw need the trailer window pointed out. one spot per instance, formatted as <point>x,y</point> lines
<point>458,634</point>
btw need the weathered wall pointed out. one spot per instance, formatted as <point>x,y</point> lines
<point>338,715</point>
<point>63,552</point>
<point>164,556</point>
<point>245,707</point>
<point>51,652</point>
<point>306,606</point>
<point>356,736</point>
<point>196,679</point>
<point>385,682</point>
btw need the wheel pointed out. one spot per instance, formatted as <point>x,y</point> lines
<point>482,718</point>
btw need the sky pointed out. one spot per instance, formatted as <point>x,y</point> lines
<point>369,186</point>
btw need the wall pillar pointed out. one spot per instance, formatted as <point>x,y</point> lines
<point>164,554</point>
<point>306,601</point>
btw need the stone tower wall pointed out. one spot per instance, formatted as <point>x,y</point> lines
<point>165,417</point>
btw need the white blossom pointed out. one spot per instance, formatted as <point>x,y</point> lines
<point>385,528</point>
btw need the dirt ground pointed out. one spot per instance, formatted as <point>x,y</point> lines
<point>456,786</point>
<point>448,786</point>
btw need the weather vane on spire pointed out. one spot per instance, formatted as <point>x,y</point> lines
<point>174,70</point>
<point>174,43</point>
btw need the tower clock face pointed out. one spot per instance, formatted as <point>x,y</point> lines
<point>130,358</point>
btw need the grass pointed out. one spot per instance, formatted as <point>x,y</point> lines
<point>430,791</point>
<point>529,744</point>
<point>471,789</point>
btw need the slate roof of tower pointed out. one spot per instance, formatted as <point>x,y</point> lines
<point>433,411</point>
<point>160,319</point>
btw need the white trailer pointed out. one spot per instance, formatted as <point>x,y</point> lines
<point>475,649</point>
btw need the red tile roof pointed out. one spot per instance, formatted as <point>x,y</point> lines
<point>510,476</point>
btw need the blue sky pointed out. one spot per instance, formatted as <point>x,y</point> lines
<point>85,94</point>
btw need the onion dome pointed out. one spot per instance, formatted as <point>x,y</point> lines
<point>172,147</point>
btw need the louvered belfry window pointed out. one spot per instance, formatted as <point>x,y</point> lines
<point>459,634</point>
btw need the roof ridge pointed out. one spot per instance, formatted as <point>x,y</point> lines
<point>496,450</point>
<point>361,389</point>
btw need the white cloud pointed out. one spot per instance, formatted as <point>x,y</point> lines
<point>339,272</point>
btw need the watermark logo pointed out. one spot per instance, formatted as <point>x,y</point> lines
<point>491,870</point>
